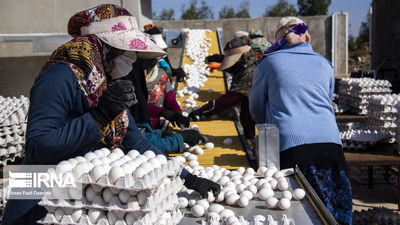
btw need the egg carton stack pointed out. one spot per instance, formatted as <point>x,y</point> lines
<point>380,175</point>
<point>354,92</point>
<point>13,112</point>
<point>197,50</point>
<point>382,113</point>
<point>338,108</point>
<point>130,189</point>
<point>381,216</point>
<point>361,139</point>
<point>238,188</point>
<point>397,122</point>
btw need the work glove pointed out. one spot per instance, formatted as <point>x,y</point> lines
<point>118,97</point>
<point>202,185</point>
<point>195,115</point>
<point>175,118</point>
<point>179,73</point>
<point>214,58</point>
<point>191,137</point>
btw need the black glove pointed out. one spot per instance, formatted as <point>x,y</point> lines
<point>202,185</point>
<point>119,96</point>
<point>191,137</point>
<point>175,118</point>
<point>214,58</point>
<point>195,115</point>
<point>179,73</point>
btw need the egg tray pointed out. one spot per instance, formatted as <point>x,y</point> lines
<point>258,219</point>
<point>155,198</point>
<point>13,129</point>
<point>14,139</point>
<point>148,181</point>
<point>143,219</point>
<point>11,149</point>
<point>10,115</point>
<point>374,123</point>
<point>10,158</point>
<point>380,175</point>
<point>378,115</point>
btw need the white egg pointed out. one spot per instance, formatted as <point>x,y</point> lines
<point>94,215</point>
<point>223,180</point>
<point>76,215</point>
<point>220,197</point>
<point>252,188</point>
<point>240,187</point>
<point>198,151</point>
<point>142,197</point>
<point>115,173</point>
<point>105,160</point>
<point>97,172</point>
<point>299,194</point>
<point>209,145</point>
<point>217,208</point>
<point>227,141</point>
<point>232,199</point>
<point>124,196</point>
<point>162,159</point>
<point>149,154</point>
<point>58,214</point>
<point>273,184</point>
<point>260,182</point>
<point>133,154</point>
<point>155,163</point>
<point>106,167</point>
<point>63,166</point>
<point>186,154</point>
<point>183,202</point>
<point>113,156</point>
<point>261,170</point>
<point>283,185</point>
<point>265,194</point>
<point>278,175</point>
<point>107,195</point>
<point>248,194</point>
<point>89,156</point>
<point>80,169</point>
<point>96,161</point>
<point>192,157</point>
<point>204,203</point>
<point>90,194</point>
<point>73,162</point>
<point>243,201</point>
<point>250,171</point>
<point>193,163</point>
<point>192,202</point>
<point>210,197</point>
<point>99,153</point>
<point>197,210</point>
<point>118,151</point>
<point>147,167</point>
<point>269,173</point>
<point>226,213</point>
<point>105,151</point>
<point>271,203</point>
<point>75,193</point>
<point>241,170</point>
<point>180,159</point>
<point>287,195</point>
<point>284,203</point>
<point>194,127</point>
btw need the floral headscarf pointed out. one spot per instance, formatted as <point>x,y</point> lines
<point>88,59</point>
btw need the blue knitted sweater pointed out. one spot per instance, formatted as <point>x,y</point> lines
<point>293,88</point>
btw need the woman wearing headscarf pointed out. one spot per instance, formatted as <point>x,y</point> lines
<point>79,104</point>
<point>240,60</point>
<point>293,88</point>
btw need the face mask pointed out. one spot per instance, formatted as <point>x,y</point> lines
<point>123,65</point>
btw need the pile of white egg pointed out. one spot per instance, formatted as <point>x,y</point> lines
<point>238,188</point>
<point>197,50</point>
<point>354,92</point>
<point>118,189</point>
<point>214,219</point>
<point>382,113</point>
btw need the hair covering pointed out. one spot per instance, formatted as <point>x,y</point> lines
<point>88,59</point>
<point>255,33</point>
<point>233,51</point>
<point>156,35</point>
<point>240,33</point>
<point>287,21</point>
<point>115,26</point>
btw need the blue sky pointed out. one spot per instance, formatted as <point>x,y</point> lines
<point>357,9</point>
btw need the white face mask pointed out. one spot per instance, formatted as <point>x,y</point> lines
<point>123,65</point>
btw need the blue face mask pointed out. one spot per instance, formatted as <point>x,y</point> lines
<point>123,65</point>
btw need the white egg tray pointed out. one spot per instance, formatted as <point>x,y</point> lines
<point>164,194</point>
<point>13,110</point>
<point>373,122</point>
<point>380,175</point>
<point>130,183</point>
<point>16,128</point>
<point>152,217</point>
<point>12,139</point>
<point>379,115</point>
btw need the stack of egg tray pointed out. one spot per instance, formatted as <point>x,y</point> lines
<point>258,219</point>
<point>397,122</point>
<point>354,92</point>
<point>11,142</point>
<point>362,138</point>
<point>382,113</point>
<point>380,175</point>
<point>130,200</point>
<point>13,110</point>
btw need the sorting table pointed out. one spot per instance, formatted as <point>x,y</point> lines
<point>379,154</point>
<point>303,212</point>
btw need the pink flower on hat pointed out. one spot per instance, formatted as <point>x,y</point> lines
<point>136,43</point>
<point>119,26</point>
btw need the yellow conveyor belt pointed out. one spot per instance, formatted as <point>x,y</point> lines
<point>227,156</point>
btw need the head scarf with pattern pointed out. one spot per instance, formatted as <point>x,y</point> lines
<point>88,58</point>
